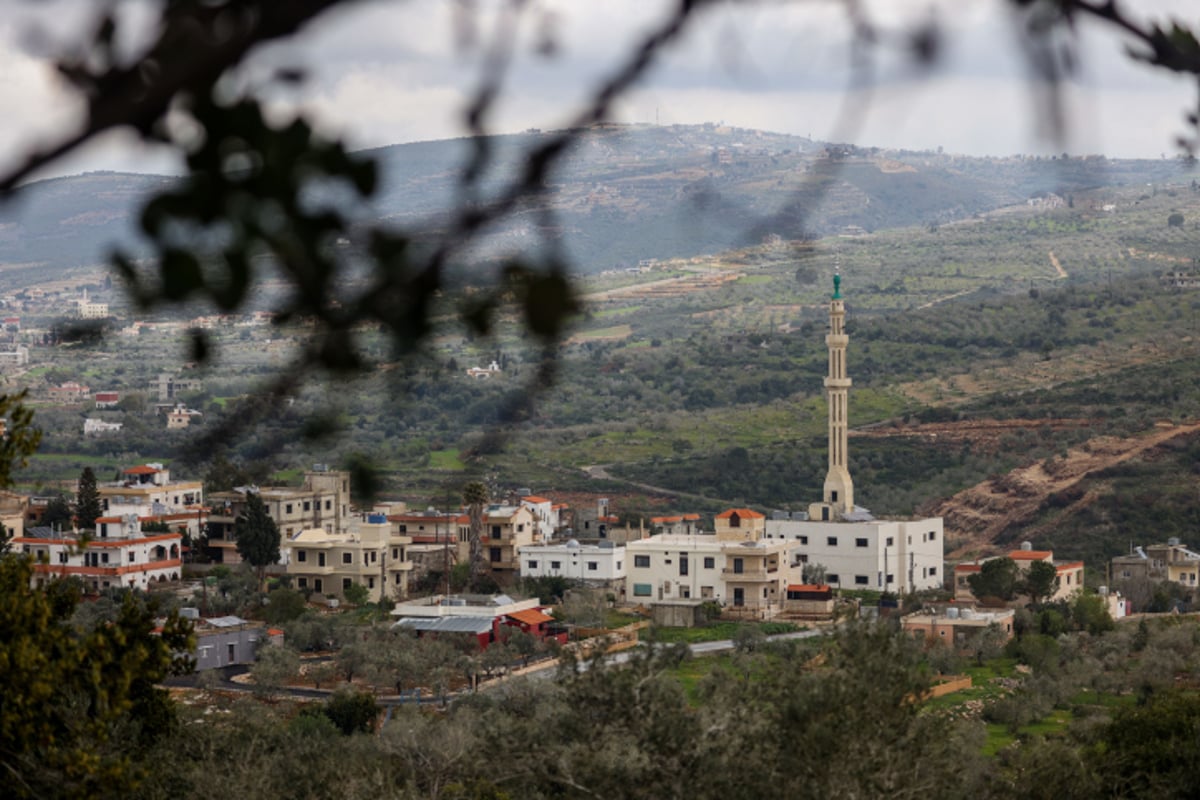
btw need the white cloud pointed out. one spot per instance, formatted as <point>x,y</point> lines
<point>385,72</point>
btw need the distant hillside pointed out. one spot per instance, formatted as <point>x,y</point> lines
<point>625,194</point>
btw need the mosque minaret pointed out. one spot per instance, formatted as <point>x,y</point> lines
<point>839,487</point>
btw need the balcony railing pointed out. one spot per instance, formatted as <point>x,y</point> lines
<point>731,574</point>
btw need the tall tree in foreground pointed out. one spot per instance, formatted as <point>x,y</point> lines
<point>257,537</point>
<point>76,706</point>
<point>87,500</point>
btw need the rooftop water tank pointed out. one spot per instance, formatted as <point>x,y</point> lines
<point>377,519</point>
<point>952,612</point>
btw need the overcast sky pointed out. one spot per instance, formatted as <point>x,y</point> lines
<point>390,72</point>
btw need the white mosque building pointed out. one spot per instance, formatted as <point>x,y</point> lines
<point>857,550</point>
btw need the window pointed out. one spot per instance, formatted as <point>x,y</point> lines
<point>860,542</point>
<point>289,508</point>
<point>555,565</point>
<point>803,540</point>
<point>619,564</point>
<point>709,562</point>
<point>63,555</point>
<point>494,554</point>
<point>593,566</point>
<point>933,571</point>
<point>347,558</point>
<point>860,580</point>
<point>346,584</point>
<point>932,536</point>
<point>320,561</point>
<point>642,590</point>
<point>307,505</point>
<point>104,558</point>
<point>890,541</point>
<point>532,564</point>
<point>328,505</point>
<point>370,583</point>
<point>302,556</point>
<point>739,566</point>
<point>132,557</point>
<point>302,583</point>
<point>832,578</point>
<point>374,557</point>
<point>641,561</point>
<point>891,578</point>
<point>831,541</point>
<point>495,531</point>
<point>395,553</point>
<point>319,585</point>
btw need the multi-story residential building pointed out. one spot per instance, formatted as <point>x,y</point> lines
<point>1172,561</point>
<point>170,386</point>
<point>148,491</point>
<point>69,392</point>
<point>369,553</point>
<point>506,529</point>
<point>1067,581</point>
<point>18,356</point>
<point>600,564</point>
<point>323,501</point>
<point>547,515</point>
<point>595,523</point>
<point>86,308</point>
<point>118,555</point>
<point>737,566</point>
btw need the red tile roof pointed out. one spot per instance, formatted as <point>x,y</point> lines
<point>1031,555</point>
<point>143,469</point>
<point>533,498</point>
<point>808,587</point>
<point>968,567</point>
<point>531,616</point>
<point>691,517</point>
<point>744,513</point>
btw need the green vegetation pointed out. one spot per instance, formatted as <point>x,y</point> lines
<point>718,631</point>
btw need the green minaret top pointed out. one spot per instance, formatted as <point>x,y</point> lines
<point>837,286</point>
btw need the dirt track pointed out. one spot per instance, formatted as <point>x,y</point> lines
<point>975,517</point>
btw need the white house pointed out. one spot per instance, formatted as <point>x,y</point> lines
<point>735,566</point>
<point>898,556</point>
<point>119,555</point>
<point>602,563</point>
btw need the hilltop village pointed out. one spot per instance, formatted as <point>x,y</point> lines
<point>155,531</point>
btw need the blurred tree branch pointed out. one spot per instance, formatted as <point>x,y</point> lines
<point>260,195</point>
